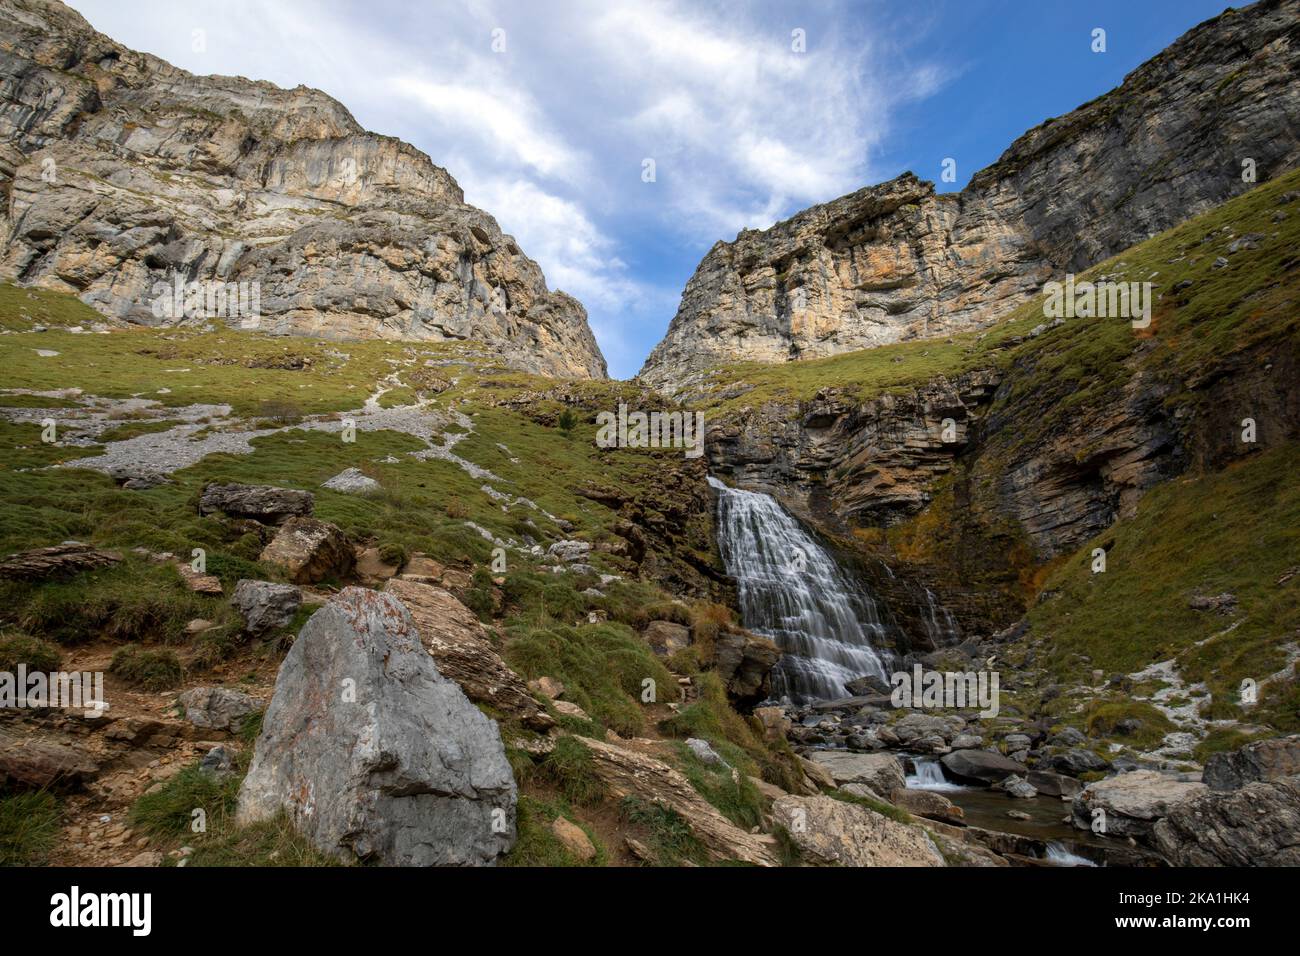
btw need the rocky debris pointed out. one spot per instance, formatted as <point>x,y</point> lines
<point>877,266</point>
<point>309,550</point>
<point>569,551</point>
<point>835,833</point>
<point>353,481</point>
<point>574,839</point>
<point>420,567</point>
<point>283,194</point>
<point>265,605</point>
<point>40,763</point>
<point>218,708</point>
<point>666,638</point>
<point>463,651</point>
<point>62,560</point>
<point>775,723</point>
<point>744,662</point>
<point>1257,824</point>
<point>1132,802</point>
<point>882,773</point>
<point>566,708</point>
<point>199,582</point>
<point>867,684</point>
<point>629,773</point>
<point>1224,603</point>
<point>373,753</point>
<point>264,503</point>
<point>145,858</point>
<point>371,567</point>
<point>1266,760</point>
<point>981,766</point>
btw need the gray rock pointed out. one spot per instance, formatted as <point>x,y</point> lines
<point>704,751</point>
<point>1015,786</point>
<point>966,742</point>
<point>1068,737</point>
<point>373,753</point>
<point>1265,760</point>
<point>264,503</point>
<point>569,551</point>
<point>834,832</point>
<point>310,550</point>
<point>218,708</point>
<point>1256,825</point>
<point>1132,802</point>
<point>265,605</point>
<point>353,482</point>
<point>883,773</point>
<point>216,763</point>
<point>981,766</point>
<point>666,638</point>
<point>1054,784</point>
<point>1075,762</point>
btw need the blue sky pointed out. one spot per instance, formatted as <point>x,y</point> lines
<point>549,130</point>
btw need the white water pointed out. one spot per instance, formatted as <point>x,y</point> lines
<point>940,625</point>
<point>1057,853</point>
<point>928,775</point>
<point>792,591</point>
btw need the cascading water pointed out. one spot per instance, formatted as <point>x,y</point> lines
<point>928,775</point>
<point>792,591</point>
<point>940,625</point>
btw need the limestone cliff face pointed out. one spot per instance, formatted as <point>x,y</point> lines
<point>897,261</point>
<point>121,172</point>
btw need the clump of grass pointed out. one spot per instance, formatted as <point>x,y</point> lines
<point>571,769</point>
<point>732,794</point>
<point>267,843</point>
<point>1102,718</point>
<point>37,654</point>
<point>147,667</point>
<point>29,826</point>
<point>536,845</point>
<point>169,810</point>
<point>669,837</point>
<point>1223,740</point>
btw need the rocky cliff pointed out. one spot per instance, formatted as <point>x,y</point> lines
<point>896,262</point>
<point>123,175</point>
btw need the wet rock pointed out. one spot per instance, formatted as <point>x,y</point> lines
<point>265,605</point>
<point>373,753</point>
<point>309,551</point>
<point>981,766</point>
<point>1015,786</point>
<point>264,503</point>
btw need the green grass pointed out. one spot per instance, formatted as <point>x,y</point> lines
<point>268,843</point>
<point>29,826</point>
<point>1102,718</point>
<point>897,814</point>
<point>669,839</point>
<point>147,667</point>
<point>735,797</point>
<point>37,654</point>
<point>536,845</point>
<point>571,769</point>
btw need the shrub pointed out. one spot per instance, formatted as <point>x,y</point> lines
<point>150,668</point>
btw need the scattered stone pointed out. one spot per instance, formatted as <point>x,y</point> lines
<point>704,752</point>
<point>548,687</point>
<point>1014,786</point>
<point>147,858</point>
<point>265,605</point>
<point>264,503</point>
<point>42,764</point>
<point>353,481</point>
<point>218,708</point>
<point>569,551</point>
<point>574,839</point>
<point>216,762</point>
<point>422,568</point>
<point>1224,603</point>
<point>309,551</point>
<point>1018,815</point>
<point>1075,762</point>
<point>373,753</point>
<point>569,709</point>
<point>1054,784</point>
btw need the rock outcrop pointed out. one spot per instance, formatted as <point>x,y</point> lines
<point>373,753</point>
<point>1264,760</point>
<point>1130,804</point>
<point>1257,825</point>
<point>897,261</point>
<point>127,178</point>
<point>310,550</point>
<point>835,833</point>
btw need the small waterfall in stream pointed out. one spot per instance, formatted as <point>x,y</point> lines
<point>928,775</point>
<point>1058,854</point>
<point>792,591</point>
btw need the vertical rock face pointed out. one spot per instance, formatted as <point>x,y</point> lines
<point>374,754</point>
<point>896,261</point>
<point>124,175</point>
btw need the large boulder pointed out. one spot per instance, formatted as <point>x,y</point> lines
<point>218,708</point>
<point>1077,761</point>
<point>666,638</point>
<point>1132,802</point>
<point>310,550</point>
<point>1256,825</point>
<point>463,650</point>
<point>373,753</point>
<point>1263,760</point>
<point>882,773</point>
<point>264,503</point>
<point>43,764</point>
<point>744,661</point>
<point>981,766</point>
<point>835,833</point>
<point>265,605</point>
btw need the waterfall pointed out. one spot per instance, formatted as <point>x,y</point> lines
<point>940,625</point>
<point>928,775</point>
<point>1058,854</point>
<point>792,591</point>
